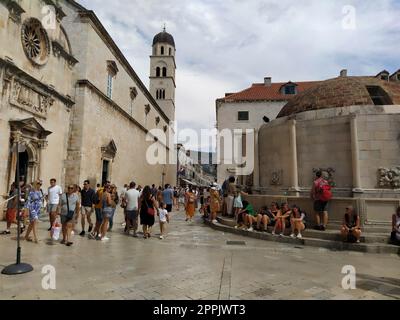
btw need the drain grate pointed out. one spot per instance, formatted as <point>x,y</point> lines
<point>236,243</point>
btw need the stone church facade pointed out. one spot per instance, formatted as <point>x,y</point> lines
<point>70,97</point>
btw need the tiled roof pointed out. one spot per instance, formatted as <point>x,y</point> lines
<point>341,92</point>
<point>261,92</point>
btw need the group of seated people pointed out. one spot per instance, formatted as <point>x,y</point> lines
<point>278,217</point>
<point>282,217</point>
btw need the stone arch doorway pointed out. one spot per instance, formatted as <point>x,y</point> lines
<point>32,140</point>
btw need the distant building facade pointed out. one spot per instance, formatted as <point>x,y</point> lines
<point>250,109</point>
<point>189,171</point>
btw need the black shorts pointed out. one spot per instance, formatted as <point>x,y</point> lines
<point>320,206</point>
<point>169,207</point>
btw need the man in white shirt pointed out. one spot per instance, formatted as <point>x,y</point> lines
<point>131,199</point>
<point>53,200</point>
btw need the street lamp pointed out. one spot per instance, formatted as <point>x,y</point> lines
<point>18,268</point>
<point>178,147</point>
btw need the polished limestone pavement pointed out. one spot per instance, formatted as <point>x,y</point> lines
<point>193,262</point>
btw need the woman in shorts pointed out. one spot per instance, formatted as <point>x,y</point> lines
<point>297,222</point>
<point>34,205</point>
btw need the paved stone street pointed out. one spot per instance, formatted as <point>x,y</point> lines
<point>194,262</point>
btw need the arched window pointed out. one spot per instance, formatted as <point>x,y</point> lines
<point>162,50</point>
<point>170,51</point>
<point>164,72</point>
<point>158,72</point>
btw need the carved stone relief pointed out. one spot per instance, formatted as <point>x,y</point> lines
<point>389,178</point>
<point>277,178</point>
<point>28,99</point>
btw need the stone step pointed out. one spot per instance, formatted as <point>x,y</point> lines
<point>309,240</point>
<point>369,235</point>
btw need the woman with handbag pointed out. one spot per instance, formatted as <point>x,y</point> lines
<point>148,207</point>
<point>70,206</point>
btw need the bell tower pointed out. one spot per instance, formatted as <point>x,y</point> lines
<point>162,73</point>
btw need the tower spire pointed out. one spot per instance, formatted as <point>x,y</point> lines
<point>165,27</point>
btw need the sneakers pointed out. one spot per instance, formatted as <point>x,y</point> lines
<point>358,241</point>
<point>293,236</point>
<point>105,239</point>
<point>90,229</point>
<point>250,229</point>
<point>215,221</point>
<point>281,234</point>
<point>323,228</point>
<point>82,234</point>
<point>273,233</point>
<point>161,237</point>
<point>299,236</point>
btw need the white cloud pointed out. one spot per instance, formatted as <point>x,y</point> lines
<point>224,46</point>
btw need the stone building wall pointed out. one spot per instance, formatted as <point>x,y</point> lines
<point>104,126</point>
<point>325,140</point>
<point>379,147</point>
<point>275,157</point>
<point>29,91</point>
<point>227,118</point>
<point>325,143</point>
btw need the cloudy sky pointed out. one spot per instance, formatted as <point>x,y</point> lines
<point>226,45</point>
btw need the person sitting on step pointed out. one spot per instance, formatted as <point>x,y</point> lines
<point>279,219</point>
<point>263,218</point>
<point>297,222</point>
<point>395,237</point>
<point>351,230</point>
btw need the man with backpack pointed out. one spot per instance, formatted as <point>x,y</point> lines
<point>321,194</point>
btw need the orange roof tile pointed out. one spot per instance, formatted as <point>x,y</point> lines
<point>261,92</point>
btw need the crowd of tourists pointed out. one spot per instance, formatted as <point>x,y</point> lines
<point>77,205</point>
<point>150,203</point>
<point>283,219</point>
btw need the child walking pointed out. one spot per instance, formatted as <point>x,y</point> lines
<point>164,218</point>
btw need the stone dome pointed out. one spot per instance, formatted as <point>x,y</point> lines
<point>343,92</point>
<point>164,37</point>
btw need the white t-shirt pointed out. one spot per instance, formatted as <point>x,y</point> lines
<point>54,194</point>
<point>132,199</point>
<point>163,215</point>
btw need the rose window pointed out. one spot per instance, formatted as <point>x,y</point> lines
<point>35,42</point>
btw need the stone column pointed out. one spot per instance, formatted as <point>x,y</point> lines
<point>256,182</point>
<point>355,155</point>
<point>294,165</point>
<point>15,137</point>
<point>42,145</point>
